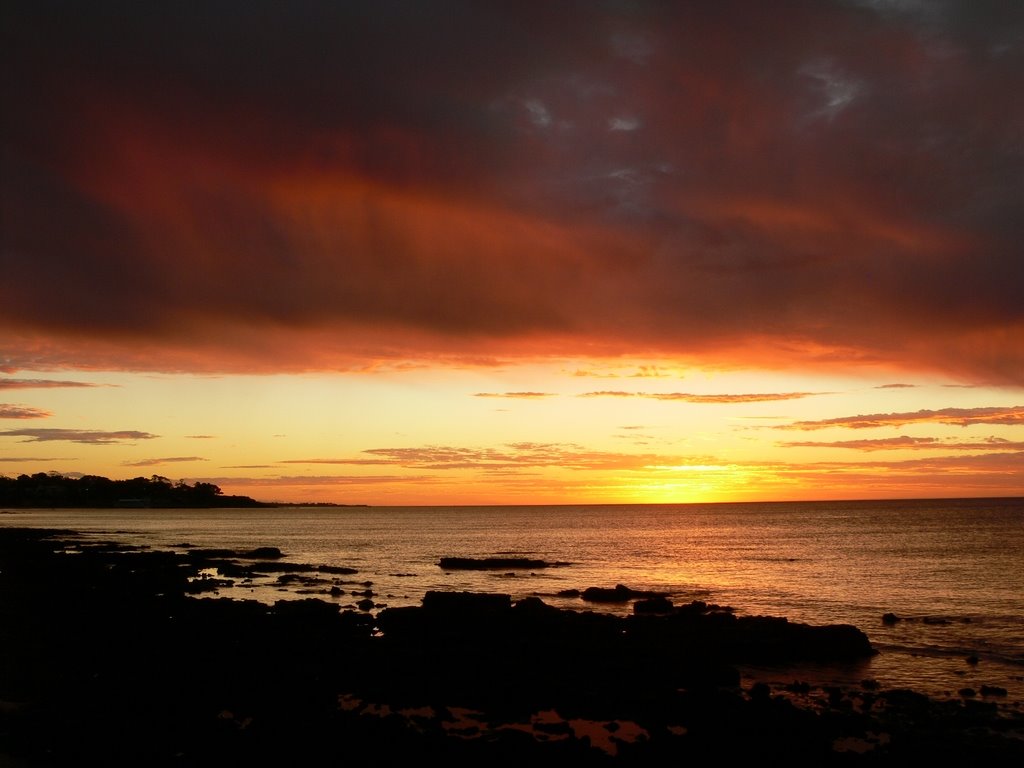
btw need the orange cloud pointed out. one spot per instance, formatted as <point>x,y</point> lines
<point>9,411</point>
<point>32,460</point>
<point>961,417</point>
<point>512,456</point>
<point>158,462</point>
<point>914,443</point>
<point>41,384</point>
<point>516,395</point>
<point>93,437</point>
<point>721,398</point>
<point>314,480</point>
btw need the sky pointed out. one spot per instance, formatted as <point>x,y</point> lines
<point>516,252</point>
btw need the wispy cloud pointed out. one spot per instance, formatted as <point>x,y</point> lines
<point>510,456</point>
<point>516,395</point>
<point>896,386</point>
<point>341,460</point>
<point>688,397</point>
<point>649,372</point>
<point>32,459</point>
<point>519,455</point>
<point>997,473</point>
<point>913,443</point>
<point>93,437</point>
<point>587,374</point>
<point>42,384</point>
<point>316,480</point>
<point>743,398</point>
<point>960,417</point>
<point>201,437</point>
<point>158,462</point>
<point>9,411</point>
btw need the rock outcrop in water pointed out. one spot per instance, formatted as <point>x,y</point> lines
<point>104,659</point>
<point>494,564</point>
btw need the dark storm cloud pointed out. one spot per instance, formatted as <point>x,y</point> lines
<point>259,185</point>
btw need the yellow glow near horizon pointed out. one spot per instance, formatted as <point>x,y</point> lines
<point>540,433</point>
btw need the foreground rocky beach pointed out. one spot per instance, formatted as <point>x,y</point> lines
<point>113,655</point>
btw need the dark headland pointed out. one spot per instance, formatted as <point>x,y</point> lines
<point>110,655</point>
<point>53,490</point>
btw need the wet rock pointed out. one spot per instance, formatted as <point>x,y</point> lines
<point>617,594</point>
<point>490,563</point>
<point>889,619</point>
<point>993,690</point>
<point>337,569</point>
<point>465,602</point>
<point>263,553</point>
<point>243,683</point>
<point>653,605</point>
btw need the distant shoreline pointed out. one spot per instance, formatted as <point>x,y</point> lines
<point>56,491</point>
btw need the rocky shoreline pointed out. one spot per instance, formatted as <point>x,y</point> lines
<point>112,655</point>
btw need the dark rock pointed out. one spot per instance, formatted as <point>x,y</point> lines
<point>972,660</point>
<point>205,554</point>
<point>534,606</point>
<point>263,553</point>
<point>308,609</point>
<point>993,690</point>
<point>243,683</point>
<point>617,594</point>
<point>653,605</point>
<point>365,604</point>
<point>759,692</point>
<point>890,618</point>
<point>463,602</point>
<point>338,569</point>
<point>490,563</point>
<point>967,692</point>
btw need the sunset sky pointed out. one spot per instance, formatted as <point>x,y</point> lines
<point>516,252</point>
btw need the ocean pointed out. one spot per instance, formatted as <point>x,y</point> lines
<point>951,570</point>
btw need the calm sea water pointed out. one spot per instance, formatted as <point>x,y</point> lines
<point>954,570</point>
